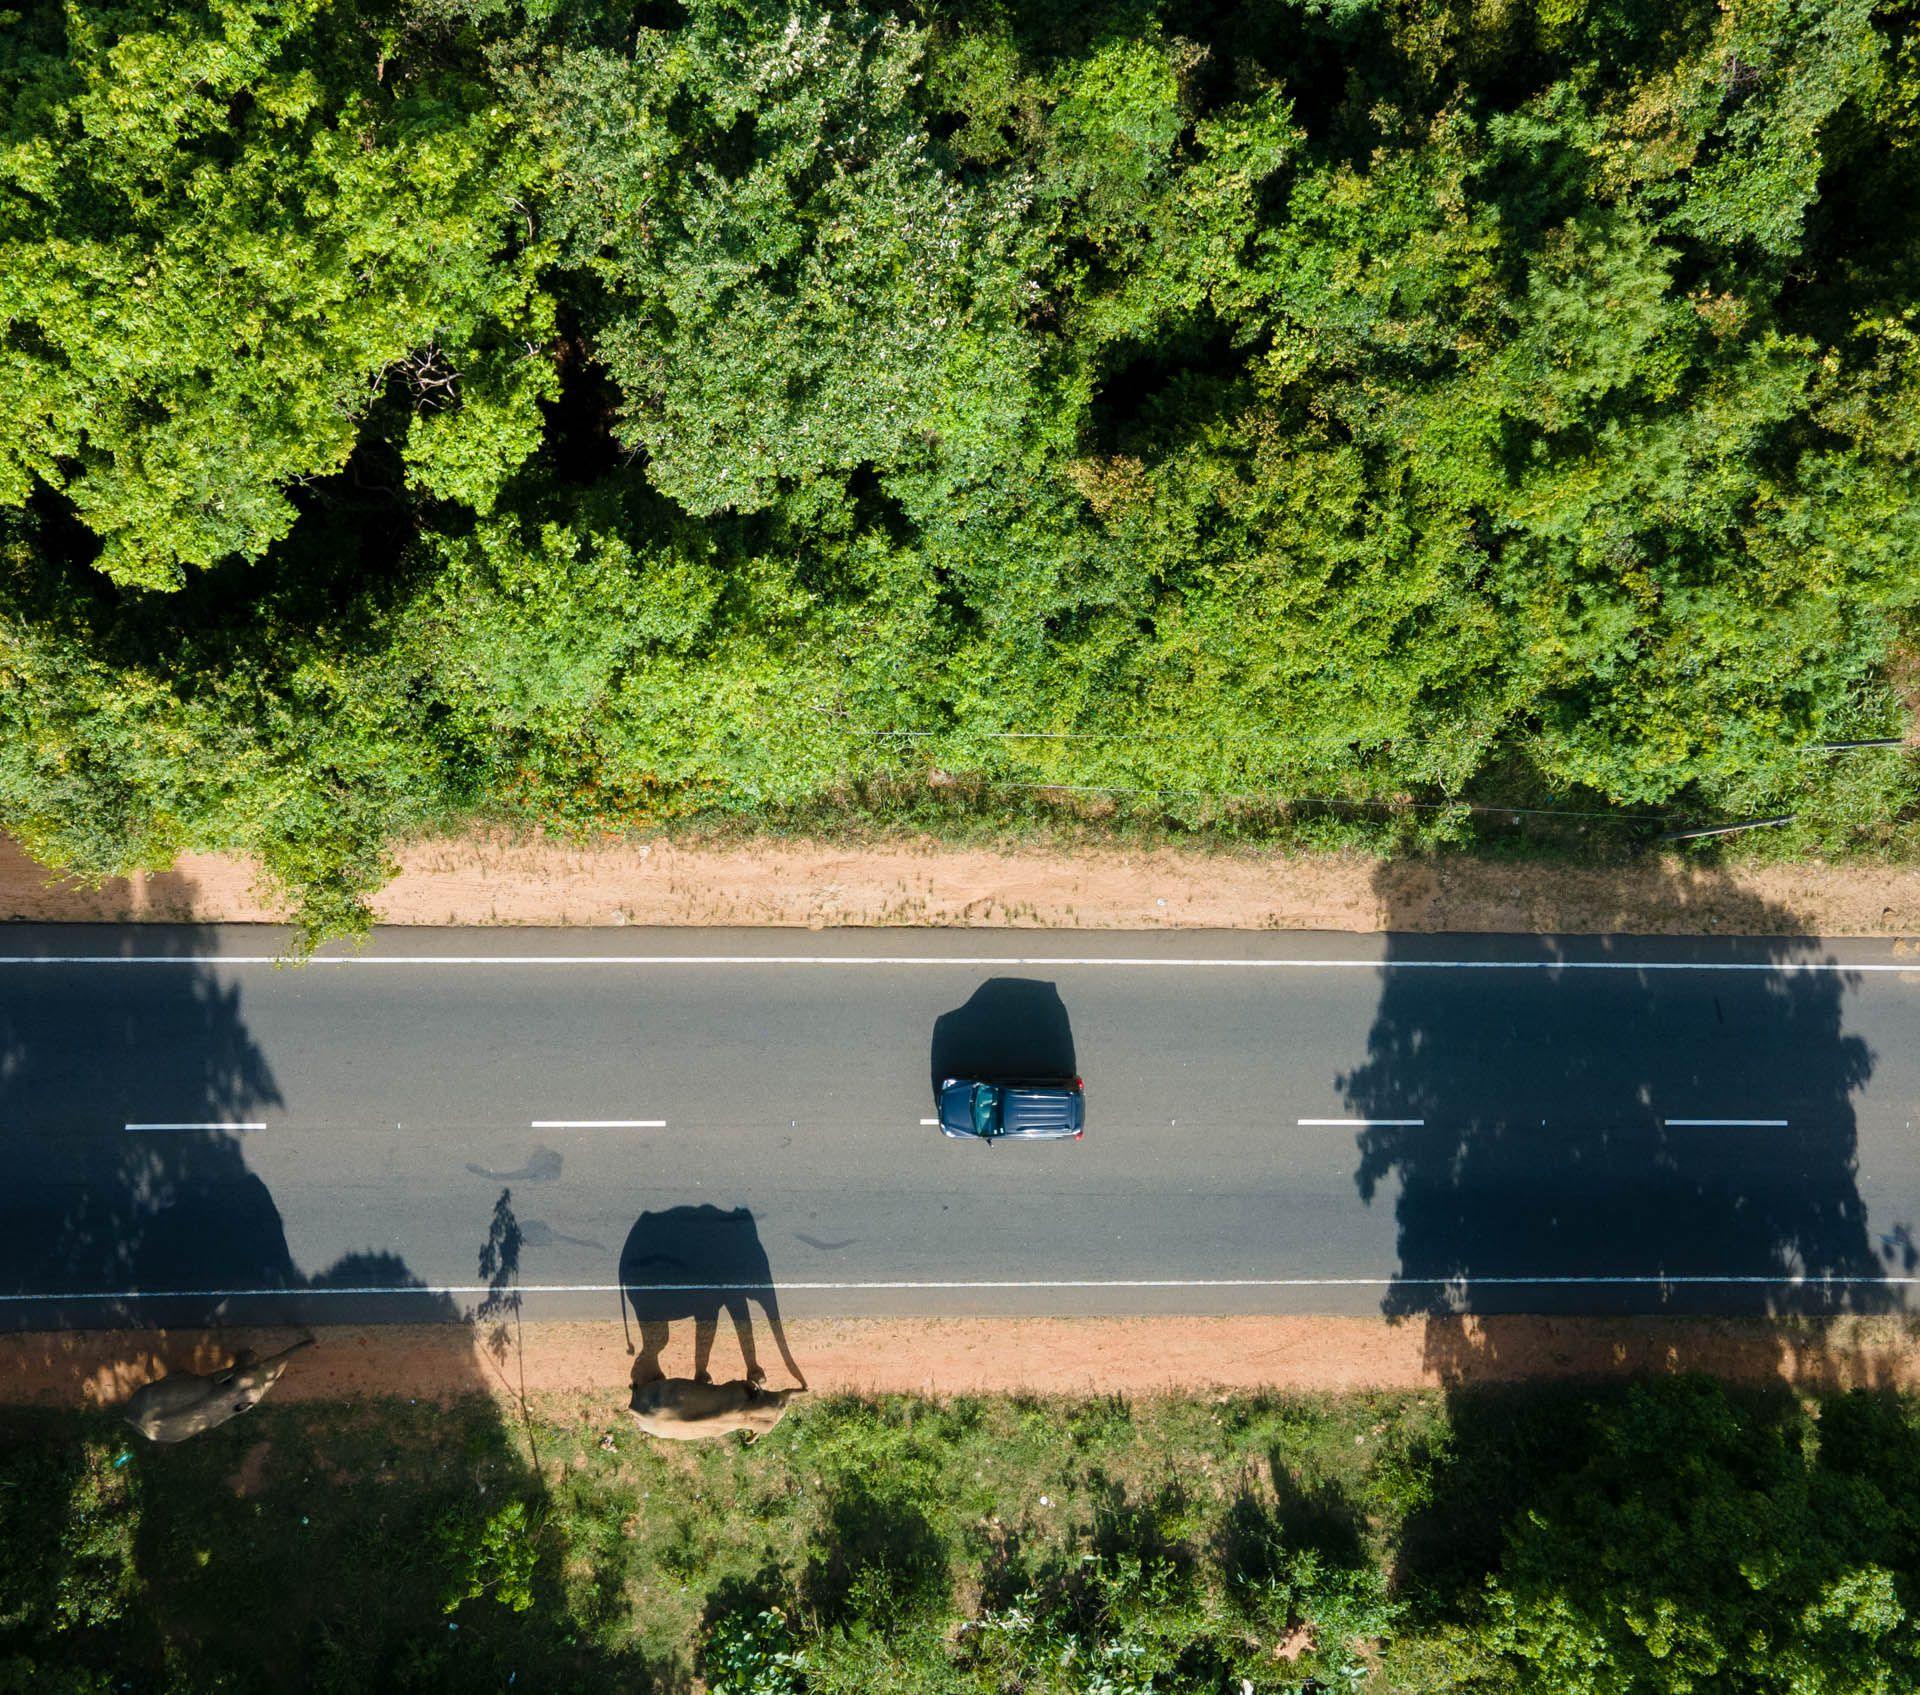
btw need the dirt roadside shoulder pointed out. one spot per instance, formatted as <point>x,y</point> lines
<point>497,879</point>
<point>1139,1356</point>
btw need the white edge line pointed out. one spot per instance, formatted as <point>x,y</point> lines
<point>1725,1123</point>
<point>1363,1123</point>
<point>598,1124</point>
<point>1781,967</point>
<point>1651,1280</point>
<point>222,1126</point>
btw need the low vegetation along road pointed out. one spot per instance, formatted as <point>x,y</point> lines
<point>733,1120</point>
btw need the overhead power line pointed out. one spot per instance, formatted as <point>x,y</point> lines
<point>1729,829</point>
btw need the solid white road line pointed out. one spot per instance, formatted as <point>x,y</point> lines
<point>221,1126</point>
<point>1648,1281</point>
<point>598,1124</point>
<point>1725,1123</point>
<point>971,961</point>
<point>1363,1123</point>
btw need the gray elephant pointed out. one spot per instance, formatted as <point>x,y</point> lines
<point>683,1409</point>
<point>183,1403</point>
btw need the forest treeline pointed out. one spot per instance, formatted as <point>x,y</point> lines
<point>419,411</point>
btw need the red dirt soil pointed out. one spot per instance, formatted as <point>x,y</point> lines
<point>951,1356</point>
<point>499,879</point>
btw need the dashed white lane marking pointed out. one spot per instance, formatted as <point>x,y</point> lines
<point>1650,1280</point>
<point>1725,1123</point>
<point>598,1124</point>
<point>223,1125</point>
<point>934,1121</point>
<point>1792,967</point>
<point>1363,1123</point>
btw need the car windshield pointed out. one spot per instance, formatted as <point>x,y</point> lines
<point>986,1110</point>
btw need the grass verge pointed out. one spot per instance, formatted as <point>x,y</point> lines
<point>1614,1538</point>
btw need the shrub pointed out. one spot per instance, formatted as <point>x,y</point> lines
<point>876,1557</point>
<point>752,1653</point>
<point>496,1555</point>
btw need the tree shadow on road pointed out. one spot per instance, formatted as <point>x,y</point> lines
<point>134,1558</point>
<point>91,1208</point>
<point>1553,1222</point>
<point>1523,1135</point>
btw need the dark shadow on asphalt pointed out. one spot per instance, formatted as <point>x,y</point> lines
<point>1010,1027</point>
<point>364,1589</point>
<point>692,1262</point>
<point>1545,1160</point>
<point>152,1228</point>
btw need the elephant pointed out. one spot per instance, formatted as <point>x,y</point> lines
<point>689,1262</point>
<point>183,1403</point>
<point>685,1409</point>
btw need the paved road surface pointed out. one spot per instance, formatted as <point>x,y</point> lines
<point>1276,1124</point>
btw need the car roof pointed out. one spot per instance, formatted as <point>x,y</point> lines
<point>1027,1109</point>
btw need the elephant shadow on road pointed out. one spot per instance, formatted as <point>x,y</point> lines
<point>691,1262</point>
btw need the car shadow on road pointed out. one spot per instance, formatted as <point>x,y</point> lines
<point>693,1262</point>
<point>1530,1129</point>
<point>1008,1027</point>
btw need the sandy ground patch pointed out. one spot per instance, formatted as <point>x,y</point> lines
<point>496,879</point>
<point>962,1355</point>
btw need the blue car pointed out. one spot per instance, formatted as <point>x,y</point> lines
<point>1012,1109</point>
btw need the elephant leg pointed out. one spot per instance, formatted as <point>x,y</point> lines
<point>653,1337</point>
<point>771,1303</point>
<point>705,1322</point>
<point>743,1328</point>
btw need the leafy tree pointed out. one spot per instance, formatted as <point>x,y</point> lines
<point>795,287</point>
<point>617,419</point>
<point>1701,1547</point>
<point>230,228</point>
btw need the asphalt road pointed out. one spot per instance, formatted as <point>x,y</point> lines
<point>1275,1124</point>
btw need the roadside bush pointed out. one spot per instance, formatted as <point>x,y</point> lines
<point>22,1676</point>
<point>493,1556</point>
<point>1128,1612</point>
<point>876,1556</point>
<point>66,1541</point>
<point>1298,1570</point>
<point>752,1653</point>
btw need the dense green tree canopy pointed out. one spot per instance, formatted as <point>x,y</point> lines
<point>1699,1547</point>
<point>425,409</point>
<point>224,232</point>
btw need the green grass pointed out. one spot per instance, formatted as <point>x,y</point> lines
<point>978,1544</point>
